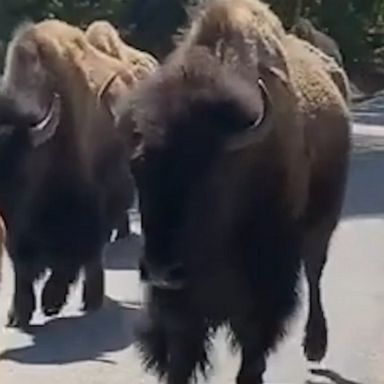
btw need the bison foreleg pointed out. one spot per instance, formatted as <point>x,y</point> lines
<point>254,348</point>
<point>24,302</point>
<point>187,352</point>
<point>93,288</point>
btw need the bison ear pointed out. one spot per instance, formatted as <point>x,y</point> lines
<point>45,129</point>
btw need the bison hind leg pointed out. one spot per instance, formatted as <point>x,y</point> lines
<point>56,290</point>
<point>93,287</point>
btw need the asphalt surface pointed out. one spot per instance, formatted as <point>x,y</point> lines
<point>99,348</point>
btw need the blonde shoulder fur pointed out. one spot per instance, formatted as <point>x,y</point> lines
<point>65,51</point>
<point>105,37</point>
<point>300,47</point>
<point>245,31</point>
<point>248,31</point>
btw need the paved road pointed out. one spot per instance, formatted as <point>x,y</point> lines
<point>98,348</point>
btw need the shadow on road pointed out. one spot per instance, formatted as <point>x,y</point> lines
<point>365,191</point>
<point>331,375</point>
<point>124,253</point>
<point>76,339</point>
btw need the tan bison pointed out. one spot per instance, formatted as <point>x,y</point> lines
<point>241,162</point>
<point>106,38</point>
<point>64,170</point>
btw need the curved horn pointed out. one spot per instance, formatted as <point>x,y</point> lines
<point>256,131</point>
<point>46,128</point>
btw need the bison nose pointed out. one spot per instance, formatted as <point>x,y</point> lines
<point>165,277</point>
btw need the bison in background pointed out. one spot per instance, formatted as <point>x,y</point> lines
<point>102,35</point>
<point>64,169</point>
<point>241,162</point>
<point>305,30</point>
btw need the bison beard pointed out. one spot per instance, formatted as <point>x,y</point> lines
<point>240,165</point>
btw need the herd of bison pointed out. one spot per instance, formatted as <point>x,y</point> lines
<point>237,146</point>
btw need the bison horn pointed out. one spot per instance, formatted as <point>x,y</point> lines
<point>46,128</point>
<point>254,132</point>
<point>263,112</point>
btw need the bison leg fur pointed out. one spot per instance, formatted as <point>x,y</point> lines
<point>56,290</point>
<point>175,350</point>
<point>316,333</point>
<point>93,287</point>
<point>187,351</point>
<point>24,302</point>
<point>152,344</point>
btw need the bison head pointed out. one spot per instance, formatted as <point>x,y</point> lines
<point>31,86</point>
<point>196,122</point>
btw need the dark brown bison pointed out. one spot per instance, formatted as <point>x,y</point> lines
<point>64,169</point>
<point>241,156</point>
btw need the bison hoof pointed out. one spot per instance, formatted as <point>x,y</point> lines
<point>316,340</point>
<point>19,319</point>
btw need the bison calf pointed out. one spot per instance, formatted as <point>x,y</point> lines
<point>241,161</point>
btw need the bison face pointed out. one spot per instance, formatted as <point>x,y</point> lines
<point>193,124</point>
<point>31,87</point>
